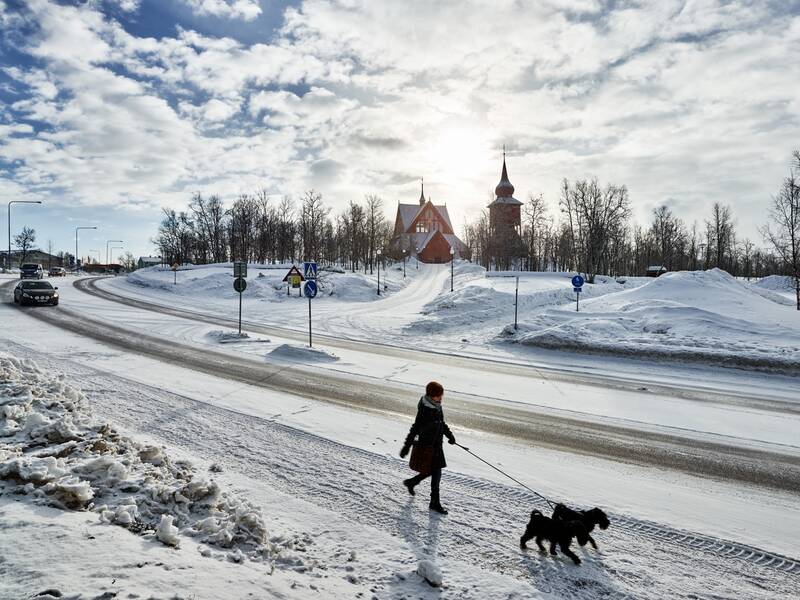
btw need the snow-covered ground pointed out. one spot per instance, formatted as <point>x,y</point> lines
<point>691,316</point>
<point>324,479</point>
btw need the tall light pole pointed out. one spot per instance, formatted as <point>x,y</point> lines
<point>405,253</point>
<point>76,244</point>
<point>416,255</point>
<point>8,258</point>
<point>111,242</point>
<point>452,262</point>
<point>379,272</point>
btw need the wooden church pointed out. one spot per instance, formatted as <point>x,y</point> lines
<point>424,230</point>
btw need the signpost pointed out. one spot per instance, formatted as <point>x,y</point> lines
<point>293,279</point>
<point>310,290</point>
<point>240,285</point>
<point>175,272</point>
<point>516,303</point>
<point>577,285</point>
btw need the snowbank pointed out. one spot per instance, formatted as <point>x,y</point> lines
<point>292,353</point>
<point>54,452</point>
<point>489,296</point>
<point>705,315</point>
<point>265,282</point>
<point>776,283</point>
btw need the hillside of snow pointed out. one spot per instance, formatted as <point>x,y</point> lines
<point>687,315</point>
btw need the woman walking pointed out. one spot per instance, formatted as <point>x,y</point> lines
<point>427,457</point>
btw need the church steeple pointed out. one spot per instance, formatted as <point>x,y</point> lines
<point>504,189</point>
<point>421,191</point>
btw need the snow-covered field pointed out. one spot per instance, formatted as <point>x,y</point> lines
<point>161,481</point>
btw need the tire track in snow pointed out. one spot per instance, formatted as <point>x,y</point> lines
<point>637,558</point>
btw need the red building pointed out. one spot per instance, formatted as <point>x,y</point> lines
<point>424,230</point>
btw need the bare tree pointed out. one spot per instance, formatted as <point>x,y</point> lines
<point>784,236</point>
<point>597,220</point>
<point>25,241</point>
<point>720,237</point>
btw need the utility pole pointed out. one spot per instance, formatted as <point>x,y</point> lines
<point>76,244</point>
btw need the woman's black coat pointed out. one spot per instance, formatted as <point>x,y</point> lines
<point>429,428</point>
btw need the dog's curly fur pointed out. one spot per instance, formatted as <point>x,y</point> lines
<point>589,518</point>
<point>557,532</point>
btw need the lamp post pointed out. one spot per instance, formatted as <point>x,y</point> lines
<point>76,244</point>
<point>379,272</point>
<point>8,258</point>
<point>405,253</point>
<point>111,242</point>
<point>452,262</point>
<point>416,255</point>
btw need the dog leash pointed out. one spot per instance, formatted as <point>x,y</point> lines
<point>507,475</point>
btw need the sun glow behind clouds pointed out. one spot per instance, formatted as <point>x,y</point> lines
<point>459,155</point>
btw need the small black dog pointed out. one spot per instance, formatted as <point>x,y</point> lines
<point>589,518</point>
<point>557,532</point>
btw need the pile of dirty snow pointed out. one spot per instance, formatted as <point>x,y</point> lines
<point>699,315</point>
<point>54,452</point>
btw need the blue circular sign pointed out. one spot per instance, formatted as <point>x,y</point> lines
<point>311,288</point>
<point>577,281</point>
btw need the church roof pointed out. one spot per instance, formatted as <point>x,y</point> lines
<point>409,212</point>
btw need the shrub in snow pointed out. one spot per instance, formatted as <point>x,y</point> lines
<point>52,450</point>
<point>431,573</point>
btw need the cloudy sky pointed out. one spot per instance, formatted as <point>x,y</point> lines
<point>111,109</point>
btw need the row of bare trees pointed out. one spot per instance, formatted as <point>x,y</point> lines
<point>595,235</point>
<point>268,229</point>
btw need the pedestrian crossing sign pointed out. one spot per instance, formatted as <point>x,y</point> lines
<point>310,270</point>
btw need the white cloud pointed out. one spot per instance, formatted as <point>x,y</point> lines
<point>686,101</point>
<point>230,9</point>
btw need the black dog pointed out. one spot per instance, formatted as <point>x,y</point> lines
<point>556,532</point>
<point>589,518</point>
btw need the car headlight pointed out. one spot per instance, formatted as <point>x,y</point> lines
<point>26,295</point>
<point>55,295</point>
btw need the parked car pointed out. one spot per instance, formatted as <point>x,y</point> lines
<point>57,272</point>
<point>31,271</point>
<point>36,292</point>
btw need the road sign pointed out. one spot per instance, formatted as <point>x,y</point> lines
<point>175,266</point>
<point>577,281</point>
<point>577,290</point>
<point>295,280</point>
<point>240,269</point>
<point>310,270</point>
<point>310,289</point>
<point>240,284</point>
<point>293,272</point>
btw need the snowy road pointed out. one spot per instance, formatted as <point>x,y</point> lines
<point>636,559</point>
<point>726,457</point>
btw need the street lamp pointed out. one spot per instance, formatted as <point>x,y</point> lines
<point>416,255</point>
<point>452,262</point>
<point>379,272</point>
<point>405,253</point>
<point>111,242</point>
<point>8,259</point>
<point>76,244</point>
